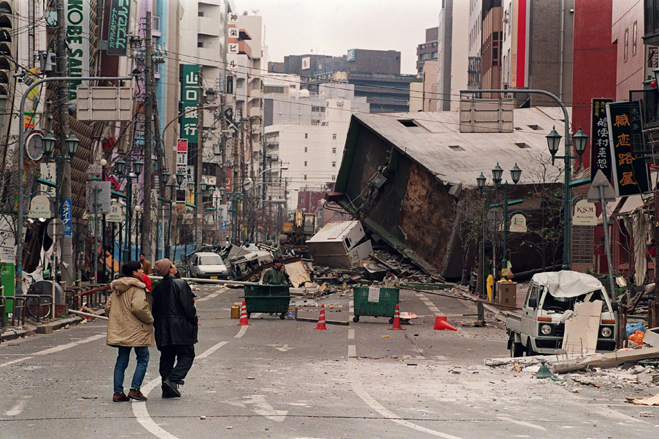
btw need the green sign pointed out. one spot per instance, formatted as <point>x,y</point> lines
<point>630,172</point>
<point>190,101</point>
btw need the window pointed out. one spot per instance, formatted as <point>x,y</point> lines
<point>305,163</point>
<point>200,44</point>
<point>305,149</point>
<point>626,45</point>
<point>334,164</point>
<point>305,176</point>
<point>200,13</point>
<point>302,200</point>
<point>306,135</point>
<point>634,39</point>
<point>333,177</point>
<point>456,147</point>
<point>333,136</point>
<point>333,150</point>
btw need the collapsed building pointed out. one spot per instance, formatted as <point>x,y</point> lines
<point>405,176</point>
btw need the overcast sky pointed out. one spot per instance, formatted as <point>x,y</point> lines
<point>331,27</point>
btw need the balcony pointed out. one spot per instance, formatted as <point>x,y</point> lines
<point>208,26</point>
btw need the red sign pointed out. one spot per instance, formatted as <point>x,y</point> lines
<point>182,145</point>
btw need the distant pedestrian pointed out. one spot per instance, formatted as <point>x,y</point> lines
<point>130,325</point>
<point>176,327</point>
<point>146,265</point>
<point>276,275</point>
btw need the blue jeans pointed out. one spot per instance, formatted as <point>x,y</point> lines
<point>142,353</point>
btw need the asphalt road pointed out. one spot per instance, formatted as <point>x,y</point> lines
<point>285,379</point>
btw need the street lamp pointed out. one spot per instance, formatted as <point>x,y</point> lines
<point>553,142</point>
<point>120,169</point>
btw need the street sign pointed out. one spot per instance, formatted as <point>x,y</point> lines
<point>584,213</point>
<point>116,214</point>
<point>593,195</point>
<point>518,223</point>
<point>41,206</point>
<point>55,229</point>
<point>224,225</point>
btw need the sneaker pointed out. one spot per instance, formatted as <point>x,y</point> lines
<point>136,395</point>
<point>119,397</point>
<point>166,393</point>
<point>171,389</point>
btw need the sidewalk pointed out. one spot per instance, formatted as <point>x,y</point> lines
<point>13,332</point>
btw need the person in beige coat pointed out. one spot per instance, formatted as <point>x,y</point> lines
<point>130,326</point>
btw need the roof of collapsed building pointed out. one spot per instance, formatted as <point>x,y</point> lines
<point>435,141</point>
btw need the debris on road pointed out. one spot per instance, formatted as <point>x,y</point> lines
<point>645,401</point>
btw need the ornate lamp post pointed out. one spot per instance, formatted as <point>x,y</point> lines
<point>120,169</point>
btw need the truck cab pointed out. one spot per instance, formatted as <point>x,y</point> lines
<point>540,327</point>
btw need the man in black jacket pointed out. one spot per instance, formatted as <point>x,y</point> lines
<point>175,326</point>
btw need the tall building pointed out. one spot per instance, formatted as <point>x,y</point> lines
<point>452,53</point>
<point>427,51</point>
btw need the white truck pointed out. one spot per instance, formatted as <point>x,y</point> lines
<point>539,327</point>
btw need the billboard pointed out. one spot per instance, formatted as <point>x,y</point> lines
<point>189,102</point>
<point>77,38</point>
<point>118,23</point>
<point>519,56</point>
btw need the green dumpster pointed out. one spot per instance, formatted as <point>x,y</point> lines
<point>375,301</point>
<point>270,299</point>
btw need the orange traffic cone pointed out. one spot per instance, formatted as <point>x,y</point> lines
<point>441,324</point>
<point>243,316</point>
<point>321,320</point>
<point>397,321</point>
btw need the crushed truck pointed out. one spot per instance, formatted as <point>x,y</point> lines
<point>540,326</point>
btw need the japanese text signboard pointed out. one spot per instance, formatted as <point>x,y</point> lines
<point>190,101</point>
<point>118,27</point>
<point>630,172</point>
<point>600,152</point>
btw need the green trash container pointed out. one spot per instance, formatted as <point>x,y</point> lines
<point>375,301</point>
<point>270,299</point>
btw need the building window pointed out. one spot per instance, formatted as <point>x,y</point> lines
<point>334,136</point>
<point>333,177</point>
<point>305,176</point>
<point>634,39</point>
<point>305,163</point>
<point>200,44</point>
<point>200,13</point>
<point>333,150</point>
<point>306,135</point>
<point>305,149</point>
<point>302,200</point>
<point>626,45</point>
<point>334,164</point>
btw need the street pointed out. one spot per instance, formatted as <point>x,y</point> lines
<point>285,379</point>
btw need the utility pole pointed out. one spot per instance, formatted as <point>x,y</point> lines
<point>145,239</point>
<point>66,207</point>
<point>198,162</point>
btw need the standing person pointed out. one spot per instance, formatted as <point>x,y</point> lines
<point>146,265</point>
<point>176,327</point>
<point>130,325</point>
<point>276,275</point>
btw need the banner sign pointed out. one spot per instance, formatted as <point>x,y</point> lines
<point>77,37</point>
<point>190,101</point>
<point>118,27</point>
<point>67,217</point>
<point>600,153</point>
<point>630,172</point>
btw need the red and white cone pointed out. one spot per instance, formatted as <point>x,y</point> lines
<point>243,316</point>
<point>397,326</point>
<point>321,320</point>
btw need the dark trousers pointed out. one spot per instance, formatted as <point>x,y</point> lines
<point>183,355</point>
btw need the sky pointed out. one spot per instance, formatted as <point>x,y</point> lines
<point>331,27</point>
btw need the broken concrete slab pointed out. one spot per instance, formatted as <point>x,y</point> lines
<point>582,327</point>
<point>604,361</point>
<point>654,400</point>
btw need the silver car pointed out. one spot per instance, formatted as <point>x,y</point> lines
<point>208,265</point>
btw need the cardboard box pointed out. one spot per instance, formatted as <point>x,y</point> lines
<point>235,312</point>
<point>506,293</point>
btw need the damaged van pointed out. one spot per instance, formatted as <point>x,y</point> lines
<point>540,326</point>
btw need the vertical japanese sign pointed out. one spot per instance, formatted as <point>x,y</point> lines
<point>118,27</point>
<point>520,45</point>
<point>182,158</point>
<point>190,101</point>
<point>600,155</point>
<point>67,217</point>
<point>630,172</point>
<point>77,37</point>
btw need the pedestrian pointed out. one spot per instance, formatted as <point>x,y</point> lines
<point>276,275</point>
<point>176,327</point>
<point>146,265</point>
<point>130,326</point>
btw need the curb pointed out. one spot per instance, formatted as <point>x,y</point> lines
<point>47,328</point>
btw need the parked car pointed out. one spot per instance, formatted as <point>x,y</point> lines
<point>207,265</point>
<point>539,327</point>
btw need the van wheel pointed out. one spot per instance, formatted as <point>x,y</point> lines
<point>529,349</point>
<point>516,348</point>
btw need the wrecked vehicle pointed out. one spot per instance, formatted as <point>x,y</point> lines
<point>340,245</point>
<point>540,327</point>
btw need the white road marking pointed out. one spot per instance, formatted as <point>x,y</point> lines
<point>55,349</point>
<point>139,407</point>
<point>522,423</point>
<point>211,350</point>
<point>243,330</point>
<point>351,334</point>
<point>431,306</point>
<point>284,348</point>
<point>211,296</point>
<point>18,408</point>
<point>264,409</point>
<point>360,391</point>
<point>9,363</point>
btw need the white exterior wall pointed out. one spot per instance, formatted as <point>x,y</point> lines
<point>459,52</point>
<point>506,43</point>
